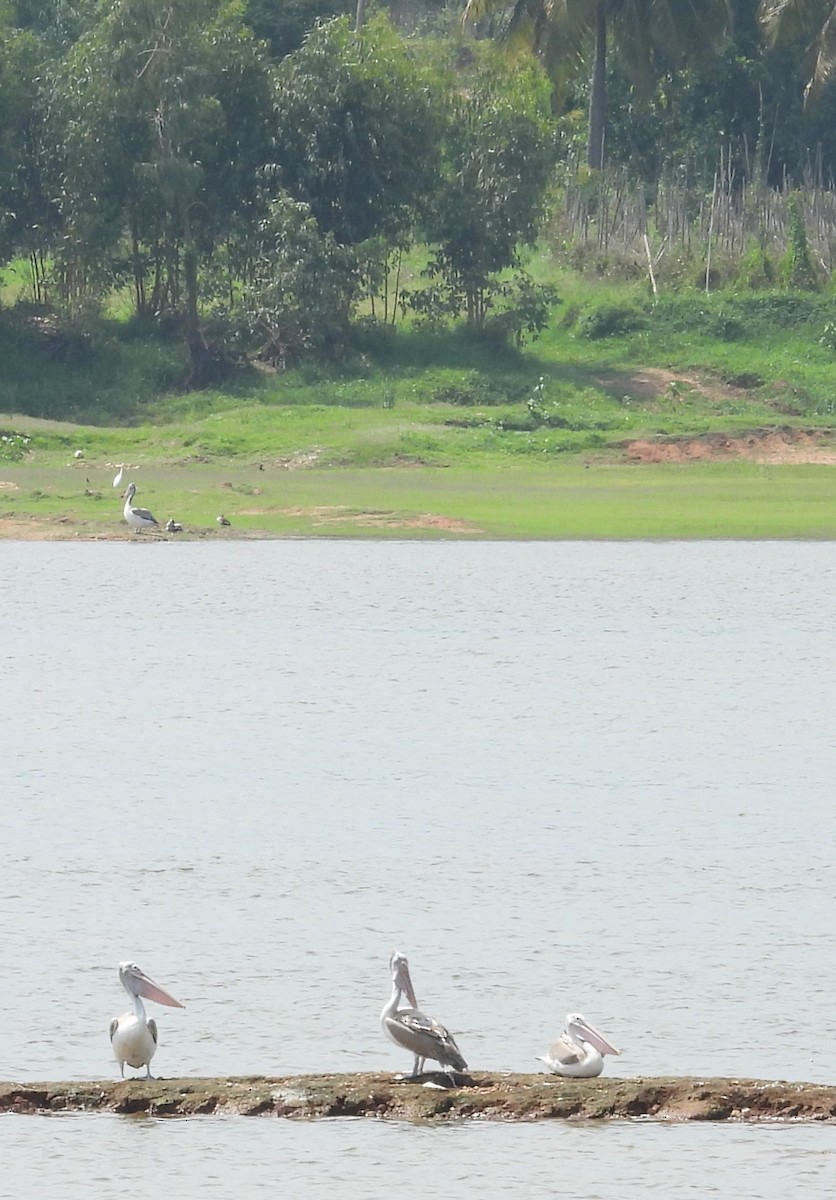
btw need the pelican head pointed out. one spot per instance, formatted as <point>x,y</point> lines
<point>580,1029</point>
<point>137,983</point>
<point>399,967</point>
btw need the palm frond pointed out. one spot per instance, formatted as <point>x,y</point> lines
<point>786,20</point>
<point>475,10</point>
<point>825,59</point>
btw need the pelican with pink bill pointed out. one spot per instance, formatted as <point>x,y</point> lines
<point>579,1051</point>
<point>411,1029</point>
<point>133,1036</point>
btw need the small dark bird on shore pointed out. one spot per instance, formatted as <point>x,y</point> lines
<point>222,520</point>
<point>172,526</point>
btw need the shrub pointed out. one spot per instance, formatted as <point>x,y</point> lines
<point>475,392</point>
<point>757,270</point>
<point>797,267</point>
<point>527,310</point>
<point>13,446</point>
<point>608,320</point>
<point>725,326</point>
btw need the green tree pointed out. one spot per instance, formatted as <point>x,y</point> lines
<point>285,26</point>
<point>358,125</point>
<point>165,117</point>
<point>499,154</point>
<point>301,289</point>
<point>567,34</point>
<point>357,140</point>
<point>29,214</point>
<point>56,24</point>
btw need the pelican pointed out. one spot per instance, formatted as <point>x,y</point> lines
<point>137,518</point>
<point>222,520</point>
<point>133,1037</point>
<point>409,1028</point>
<point>579,1051</point>
<point>172,526</point>
<point>117,478</point>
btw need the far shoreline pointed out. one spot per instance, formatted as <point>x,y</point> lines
<point>574,498</point>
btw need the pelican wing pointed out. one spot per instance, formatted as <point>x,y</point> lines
<point>152,1029</point>
<point>565,1052</point>
<point>114,1025</point>
<point>144,514</point>
<point>425,1037</point>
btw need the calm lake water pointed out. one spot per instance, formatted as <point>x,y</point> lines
<point>558,776</point>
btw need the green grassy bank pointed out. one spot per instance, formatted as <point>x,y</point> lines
<point>564,500</point>
<point>437,435</point>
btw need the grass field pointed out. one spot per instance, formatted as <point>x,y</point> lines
<point>435,435</point>
<point>566,500</point>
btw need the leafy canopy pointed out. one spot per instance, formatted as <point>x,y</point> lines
<point>358,125</point>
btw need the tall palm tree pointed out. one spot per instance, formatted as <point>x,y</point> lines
<point>565,34</point>
<point>811,22</point>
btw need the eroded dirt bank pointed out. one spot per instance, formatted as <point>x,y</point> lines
<point>780,446</point>
<point>486,1097</point>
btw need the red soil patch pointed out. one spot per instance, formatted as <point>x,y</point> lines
<point>776,446</point>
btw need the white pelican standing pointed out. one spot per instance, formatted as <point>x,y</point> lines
<point>579,1051</point>
<point>407,1027</point>
<point>133,1036</point>
<point>117,478</point>
<point>137,518</point>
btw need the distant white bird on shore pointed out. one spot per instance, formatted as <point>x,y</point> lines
<point>137,518</point>
<point>222,520</point>
<point>117,479</point>
<point>78,454</point>
<point>172,526</point>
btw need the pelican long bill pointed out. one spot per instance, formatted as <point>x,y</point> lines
<point>411,1029</point>
<point>579,1051</point>
<point>133,1036</point>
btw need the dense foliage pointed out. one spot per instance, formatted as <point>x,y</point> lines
<point>267,179</point>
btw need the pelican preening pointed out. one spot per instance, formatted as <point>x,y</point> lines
<point>137,518</point>
<point>579,1051</point>
<point>117,478</point>
<point>133,1036</point>
<point>407,1027</point>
